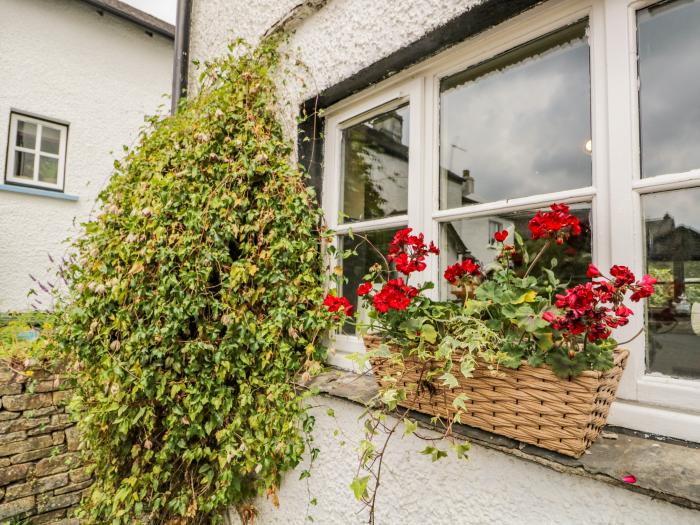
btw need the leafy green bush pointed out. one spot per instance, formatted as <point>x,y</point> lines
<point>192,306</point>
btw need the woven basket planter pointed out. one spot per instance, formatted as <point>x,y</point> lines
<point>529,404</point>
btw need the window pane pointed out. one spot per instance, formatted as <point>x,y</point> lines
<point>26,134</point>
<point>24,165</point>
<point>519,124</point>
<point>50,140</point>
<point>375,167</point>
<point>472,239</point>
<point>48,169</point>
<point>669,46</point>
<point>357,266</point>
<point>672,223</point>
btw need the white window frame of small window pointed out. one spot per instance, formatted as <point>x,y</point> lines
<point>12,147</point>
<point>661,405</point>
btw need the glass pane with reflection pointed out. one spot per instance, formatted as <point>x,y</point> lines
<point>472,239</point>
<point>519,124</point>
<point>672,226</point>
<point>50,140</point>
<point>26,134</point>
<point>24,165</point>
<point>669,74</point>
<point>375,167</point>
<point>357,266</point>
<point>48,169</point>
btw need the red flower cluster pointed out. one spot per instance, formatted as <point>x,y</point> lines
<point>557,224</point>
<point>364,289</point>
<point>458,270</point>
<point>394,295</point>
<point>622,275</point>
<point>643,288</point>
<point>594,308</point>
<point>335,303</point>
<point>408,252</point>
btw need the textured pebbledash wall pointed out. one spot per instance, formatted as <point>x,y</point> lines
<point>339,40</point>
<point>41,474</point>
<point>491,488</point>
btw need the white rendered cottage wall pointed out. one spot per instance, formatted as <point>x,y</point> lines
<point>491,488</point>
<point>340,39</point>
<point>62,60</point>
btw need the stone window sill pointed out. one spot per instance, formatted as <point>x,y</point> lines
<point>665,468</point>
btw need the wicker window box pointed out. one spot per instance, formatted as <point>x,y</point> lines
<point>529,404</point>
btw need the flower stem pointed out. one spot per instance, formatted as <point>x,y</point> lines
<point>538,256</point>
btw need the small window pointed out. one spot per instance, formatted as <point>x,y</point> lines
<point>494,227</point>
<point>36,152</point>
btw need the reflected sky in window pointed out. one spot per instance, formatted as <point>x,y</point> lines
<point>669,74</point>
<point>518,124</point>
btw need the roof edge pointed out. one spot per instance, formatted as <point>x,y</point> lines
<point>132,14</point>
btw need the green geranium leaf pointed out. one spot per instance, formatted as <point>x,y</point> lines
<point>428,333</point>
<point>564,366</point>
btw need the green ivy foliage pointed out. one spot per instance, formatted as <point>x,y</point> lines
<point>193,303</point>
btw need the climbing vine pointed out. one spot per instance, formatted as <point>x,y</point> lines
<point>192,304</point>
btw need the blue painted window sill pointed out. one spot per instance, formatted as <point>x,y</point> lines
<point>38,192</point>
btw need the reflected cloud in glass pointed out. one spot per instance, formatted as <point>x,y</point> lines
<point>669,46</point>
<point>518,124</point>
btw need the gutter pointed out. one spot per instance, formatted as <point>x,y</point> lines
<point>181,59</point>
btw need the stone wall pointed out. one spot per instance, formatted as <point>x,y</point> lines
<point>41,475</point>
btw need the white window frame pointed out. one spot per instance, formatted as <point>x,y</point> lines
<point>15,118</point>
<point>650,403</point>
<point>653,394</point>
<point>376,103</point>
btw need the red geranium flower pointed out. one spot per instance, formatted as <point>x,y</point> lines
<point>643,288</point>
<point>595,307</point>
<point>364,289</point>
<point>395,295</point>
<point>501,236</point>
<point>592,272</point>
<point>335,303</point>
<point>458,270</point>
<point>622,275</point>
<point>408,252</point>
<point>557,224</point>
